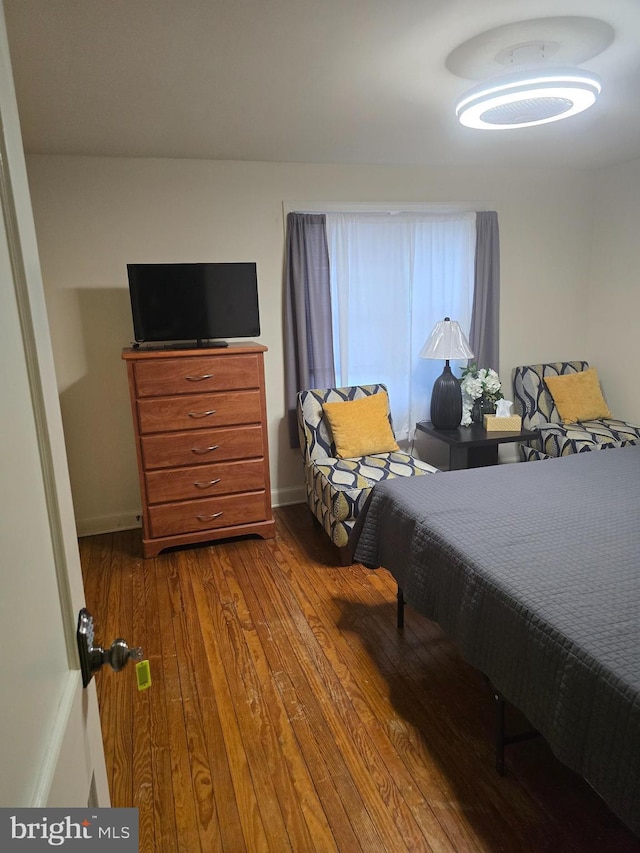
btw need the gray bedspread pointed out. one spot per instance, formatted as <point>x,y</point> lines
<point>534,571</point>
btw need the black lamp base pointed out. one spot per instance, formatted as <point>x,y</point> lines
<point>446,401</point>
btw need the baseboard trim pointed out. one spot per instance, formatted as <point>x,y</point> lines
<point>288,496</point>
<point>108,523</point>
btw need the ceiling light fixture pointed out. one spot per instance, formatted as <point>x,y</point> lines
<point>528,98</point>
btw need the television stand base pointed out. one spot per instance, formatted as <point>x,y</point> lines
<point>212,343</point>
<point>180,345</point>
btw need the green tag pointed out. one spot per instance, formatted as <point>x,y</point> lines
<point>143,675</point>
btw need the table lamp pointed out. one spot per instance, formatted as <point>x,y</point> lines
<point>446,341</point>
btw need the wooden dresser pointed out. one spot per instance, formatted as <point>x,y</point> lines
<point>200,422</point>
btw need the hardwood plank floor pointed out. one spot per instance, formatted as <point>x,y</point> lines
<point>288,713</point>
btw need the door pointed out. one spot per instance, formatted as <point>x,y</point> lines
<point>50,741</point>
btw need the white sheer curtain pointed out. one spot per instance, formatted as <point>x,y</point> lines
<point>393,276</point>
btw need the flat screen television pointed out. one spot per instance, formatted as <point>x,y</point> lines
<point>204,303</point>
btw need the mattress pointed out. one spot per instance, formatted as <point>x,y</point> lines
<point>534,572</point>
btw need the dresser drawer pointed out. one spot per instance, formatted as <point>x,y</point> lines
<point>203,481</point>
<point>170,376</point>
<point>208,514</point>
<point>171,450</point>
<point>196,411</point>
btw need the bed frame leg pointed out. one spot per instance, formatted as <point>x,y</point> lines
<point>501,738</point>
<point>400,611</point>
<point>499,731</point>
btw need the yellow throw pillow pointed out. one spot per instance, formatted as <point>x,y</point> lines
<point>361,427</point>
<point>578,396</point>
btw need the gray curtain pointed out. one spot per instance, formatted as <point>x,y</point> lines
<point>308,337</point>
<point>484,335</point>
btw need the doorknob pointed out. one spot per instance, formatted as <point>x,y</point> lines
<point>92,658</point>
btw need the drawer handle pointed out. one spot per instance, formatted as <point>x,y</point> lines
<point>206,485</point>
<point>202,414</point>
<point>205,449</point>
<point>208,517</point>
<point>199,378</point>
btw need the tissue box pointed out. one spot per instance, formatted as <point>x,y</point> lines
<point>513,423</point>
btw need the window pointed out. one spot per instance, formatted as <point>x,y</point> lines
<point>363,291</point>
<point>393,276</point>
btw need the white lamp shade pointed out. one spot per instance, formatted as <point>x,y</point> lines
<point>447,340</point>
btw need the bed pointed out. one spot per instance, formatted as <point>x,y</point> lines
<point>534,572</point>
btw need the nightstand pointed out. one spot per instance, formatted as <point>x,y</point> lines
<point>472,446</point>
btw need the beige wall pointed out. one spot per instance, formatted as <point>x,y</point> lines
<point>95,215</point>
<point>614,302</point>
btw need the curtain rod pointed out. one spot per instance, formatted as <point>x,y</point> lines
<point>387,207</point>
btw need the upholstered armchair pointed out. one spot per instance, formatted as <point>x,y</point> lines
<point>338,483</point>
<point>534,400</point>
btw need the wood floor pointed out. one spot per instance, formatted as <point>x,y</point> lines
<point>288,713</point>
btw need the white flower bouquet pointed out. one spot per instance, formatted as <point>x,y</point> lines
<point>481,389</point>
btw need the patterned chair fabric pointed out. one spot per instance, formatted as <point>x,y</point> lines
<point>535,404</point>
<point>338,488</point>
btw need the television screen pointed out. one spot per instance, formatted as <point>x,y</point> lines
<point>194,302</point>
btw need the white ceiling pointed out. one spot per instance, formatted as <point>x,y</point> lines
<point>336,81</point>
